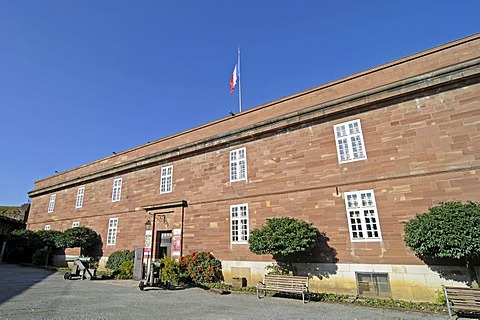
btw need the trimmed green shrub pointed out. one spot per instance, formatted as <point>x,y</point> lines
<point>116,259</point>
<point>284,237</point>
<point>171,270</point>
<point>449,230</point>
<point>126,270</point>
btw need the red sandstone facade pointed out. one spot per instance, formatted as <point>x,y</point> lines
<point>420,125</point>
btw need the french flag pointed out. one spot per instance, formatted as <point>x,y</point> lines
<point>233,80</point>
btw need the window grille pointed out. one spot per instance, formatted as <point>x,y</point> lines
<point>112,231</point>
<point>362,216</point>
<point>117,189</point>
<point>79,202</point>
<point>238,164</point>
<point>51,204</point>
<point>350,144</point>
<point>239,223</point>
<point>166,179</point>
<point>373,284</point>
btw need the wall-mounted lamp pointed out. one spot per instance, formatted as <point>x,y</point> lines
<point>148,225</point>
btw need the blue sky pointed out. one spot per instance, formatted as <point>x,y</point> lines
<point>81,79</point>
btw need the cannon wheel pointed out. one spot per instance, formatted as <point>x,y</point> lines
<point>67,276</point>
<point>141,285</point>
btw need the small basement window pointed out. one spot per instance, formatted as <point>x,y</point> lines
<point>373,284</point>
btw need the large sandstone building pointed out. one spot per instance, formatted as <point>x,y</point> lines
<point>357,157</point>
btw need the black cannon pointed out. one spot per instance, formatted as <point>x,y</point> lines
<point>154,278</point>
<point>80,268</point>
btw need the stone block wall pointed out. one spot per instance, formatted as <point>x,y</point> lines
<point>422,138</point>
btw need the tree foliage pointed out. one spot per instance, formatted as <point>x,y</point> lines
<point>50,238</point>
<point>22,244</point>
<point>83,237</point>
<point>26,245</point>
<point>24,239</point>
<point>450,230</point>
<point>283,237</point>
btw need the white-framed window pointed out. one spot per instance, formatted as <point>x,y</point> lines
<point>362,216</point>
<point>112,231</point>
<point>51,204</point>
<point>79,202</point>
<point>238,164</point>
<point>48,227</point>
<point>349,138</point>
<point>117,189</point>
<point>166,179</point>
<point>75,224</point>
<point>239,223</point>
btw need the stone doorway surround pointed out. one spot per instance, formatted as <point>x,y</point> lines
<point>168,218</point>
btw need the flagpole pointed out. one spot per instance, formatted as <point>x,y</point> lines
<point>239,83</point>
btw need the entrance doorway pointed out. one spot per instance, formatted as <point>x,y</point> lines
<point>163,244</point>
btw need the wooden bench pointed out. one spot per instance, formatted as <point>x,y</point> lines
<point>283,283</point>
<point>462,299</point>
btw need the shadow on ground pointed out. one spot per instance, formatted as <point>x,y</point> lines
<point>14,279</point>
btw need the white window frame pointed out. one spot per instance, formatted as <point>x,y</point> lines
<point>112,231</point>
<point>239,224</point>
<point>51,203</point>
<point>166,179</point>
<point>75,224</point>
<point>349,141</point>
<point>238,164</point>
<point>362,215</point>
<point>117,189</point>
<point>48,227</point>
<point>79,201</point>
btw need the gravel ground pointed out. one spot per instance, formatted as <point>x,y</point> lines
<point>29,293</point>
